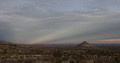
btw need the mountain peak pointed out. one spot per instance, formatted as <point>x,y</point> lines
<point>86,45</point>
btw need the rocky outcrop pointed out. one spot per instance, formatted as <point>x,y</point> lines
<point>86,45</point>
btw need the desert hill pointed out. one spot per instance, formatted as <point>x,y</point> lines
<point>83,53</point>
<point>86,45</point>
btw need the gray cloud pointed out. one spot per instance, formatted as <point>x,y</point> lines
<point>50,21</point>
<point>6,32</point>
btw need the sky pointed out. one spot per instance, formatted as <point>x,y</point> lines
<point>60,21</point>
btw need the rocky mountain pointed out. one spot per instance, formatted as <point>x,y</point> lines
<point>6,43</point>
<point>10,48</point>
<point>86,45</point>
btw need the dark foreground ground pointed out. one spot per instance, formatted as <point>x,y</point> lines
<point>16,53</point>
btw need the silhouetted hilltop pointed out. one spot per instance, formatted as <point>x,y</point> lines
<point>6,43</point>
<point>2,42</point>
<point>86,45</point>
<point>8,47</point>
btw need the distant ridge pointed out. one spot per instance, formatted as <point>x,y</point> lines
<point>5,43</point>
<point>11,44</point>
<point>86,45</point>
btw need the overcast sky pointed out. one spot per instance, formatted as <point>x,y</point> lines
<point>60,21</point>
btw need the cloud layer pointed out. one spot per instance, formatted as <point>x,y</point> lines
<point>52,21</point>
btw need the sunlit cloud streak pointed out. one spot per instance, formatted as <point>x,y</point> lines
<point>52,21</point>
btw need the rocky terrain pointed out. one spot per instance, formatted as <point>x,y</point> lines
<point>86,45</point>
<point>81,53</point>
